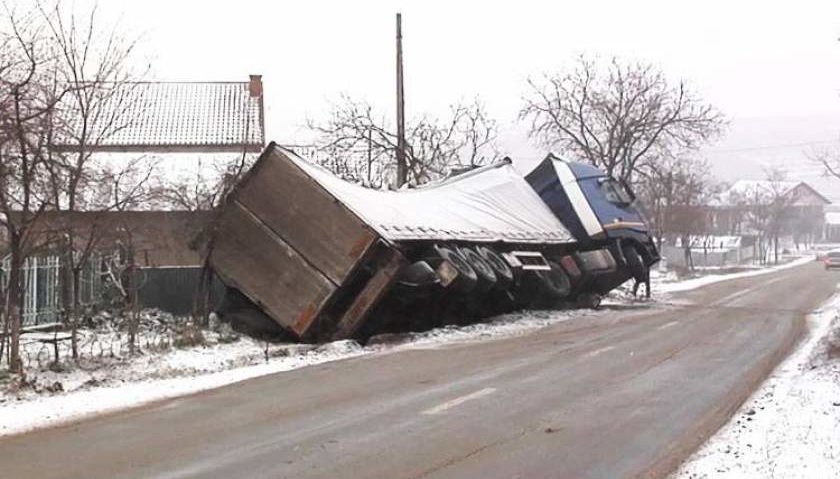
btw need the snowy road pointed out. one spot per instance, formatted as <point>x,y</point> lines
<point>614,395</point>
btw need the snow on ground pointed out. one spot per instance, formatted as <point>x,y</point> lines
<point>108,379</point>
<point>668,282</point>
<point>108,384</point>
<point>790,427</point>
<point>712,278</point>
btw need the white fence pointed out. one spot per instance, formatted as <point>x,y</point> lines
<point>675,256</point>
<point>41,287</point>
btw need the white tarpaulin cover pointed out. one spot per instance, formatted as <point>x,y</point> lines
<point>492,203</point>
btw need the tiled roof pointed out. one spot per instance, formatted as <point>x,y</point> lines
<point>762,187</point>
<point>182,115</point>
<point>750,190</point>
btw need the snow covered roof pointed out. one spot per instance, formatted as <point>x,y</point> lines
<point>832,218</point>
<point>765,190</point>
<point>492,203</point>
<point>181,116</point>
<point>761,187</point>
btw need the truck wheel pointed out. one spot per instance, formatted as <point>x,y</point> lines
<point>634,262</point>
<point>483,270</point>
<point>504,275</point>
<point>467,277</point>
<point>555,282</point>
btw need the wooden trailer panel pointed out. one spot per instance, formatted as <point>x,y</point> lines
<point>252,258</point>
<point>305,215</point>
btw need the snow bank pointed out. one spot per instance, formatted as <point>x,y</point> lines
<point>25,415</point>
<point>790,427</point>
<point>162,376</point>
<point>695,283</point>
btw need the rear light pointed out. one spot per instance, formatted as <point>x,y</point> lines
<point>568,264</point>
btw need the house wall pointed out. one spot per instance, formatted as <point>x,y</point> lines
<point>832,233</point>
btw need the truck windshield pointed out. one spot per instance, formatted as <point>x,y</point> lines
<point>615,192</point>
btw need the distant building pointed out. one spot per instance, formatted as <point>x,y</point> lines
<point>832,225</point>
<point>192,132</point>
<point>795,209</point>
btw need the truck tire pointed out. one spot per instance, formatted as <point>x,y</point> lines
<point>555,283</point>
<point>483,270</point>
<point>467,277</point>
<point>634,262</point>
<point>504,275</point>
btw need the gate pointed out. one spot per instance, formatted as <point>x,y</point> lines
<point>41,287</point>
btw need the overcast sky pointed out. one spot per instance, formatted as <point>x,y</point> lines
<point>764,64</point>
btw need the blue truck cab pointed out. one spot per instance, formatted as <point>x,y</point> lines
<point>600,212</point>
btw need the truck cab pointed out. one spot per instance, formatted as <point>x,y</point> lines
<point>600,212</point>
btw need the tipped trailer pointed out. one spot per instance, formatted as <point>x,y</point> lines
<point>307,254</point>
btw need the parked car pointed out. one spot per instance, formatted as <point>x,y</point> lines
<point>832,260</point>
<point>823,249</point>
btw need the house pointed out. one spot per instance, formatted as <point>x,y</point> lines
<point>794,211</point>
<point>832,225</point>
<point>187,136</point>
<point>186,133</point>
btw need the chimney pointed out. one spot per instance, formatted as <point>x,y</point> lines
<point>255,86</point>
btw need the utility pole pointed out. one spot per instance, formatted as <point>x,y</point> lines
<point>402,168</point>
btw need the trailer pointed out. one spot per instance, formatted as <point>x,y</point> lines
<point>305,253</point>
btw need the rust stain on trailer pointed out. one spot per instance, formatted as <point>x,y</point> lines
<point>373,291</point>
<point>305,319</point>
<point>362,244</point>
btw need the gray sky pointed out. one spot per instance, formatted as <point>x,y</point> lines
<point>772,67</point>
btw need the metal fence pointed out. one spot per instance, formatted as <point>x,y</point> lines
<point>41,287</point>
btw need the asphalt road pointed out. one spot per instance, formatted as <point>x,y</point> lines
<point>627,394</point>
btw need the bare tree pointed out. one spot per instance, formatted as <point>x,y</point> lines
<point>94,62</point>
<point>28,97</point>
<point>676,193</point>
<point>358,144</point>
<point>203,188</point>
<point>618,116</point>
<point>767,207</point>
<point>64,90</point>
<point>829,159</point>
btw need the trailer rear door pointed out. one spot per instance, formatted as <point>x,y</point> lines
<point>286,243</point>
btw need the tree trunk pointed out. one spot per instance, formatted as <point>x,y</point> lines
<point>15,304</point>
<point>201,300</point>
<point>66,288</point>
<point>74,310</point>
<point>131,288</point>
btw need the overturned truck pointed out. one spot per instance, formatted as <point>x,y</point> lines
<point>307,254</point>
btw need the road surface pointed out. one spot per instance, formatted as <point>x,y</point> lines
<point>628,394</point>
